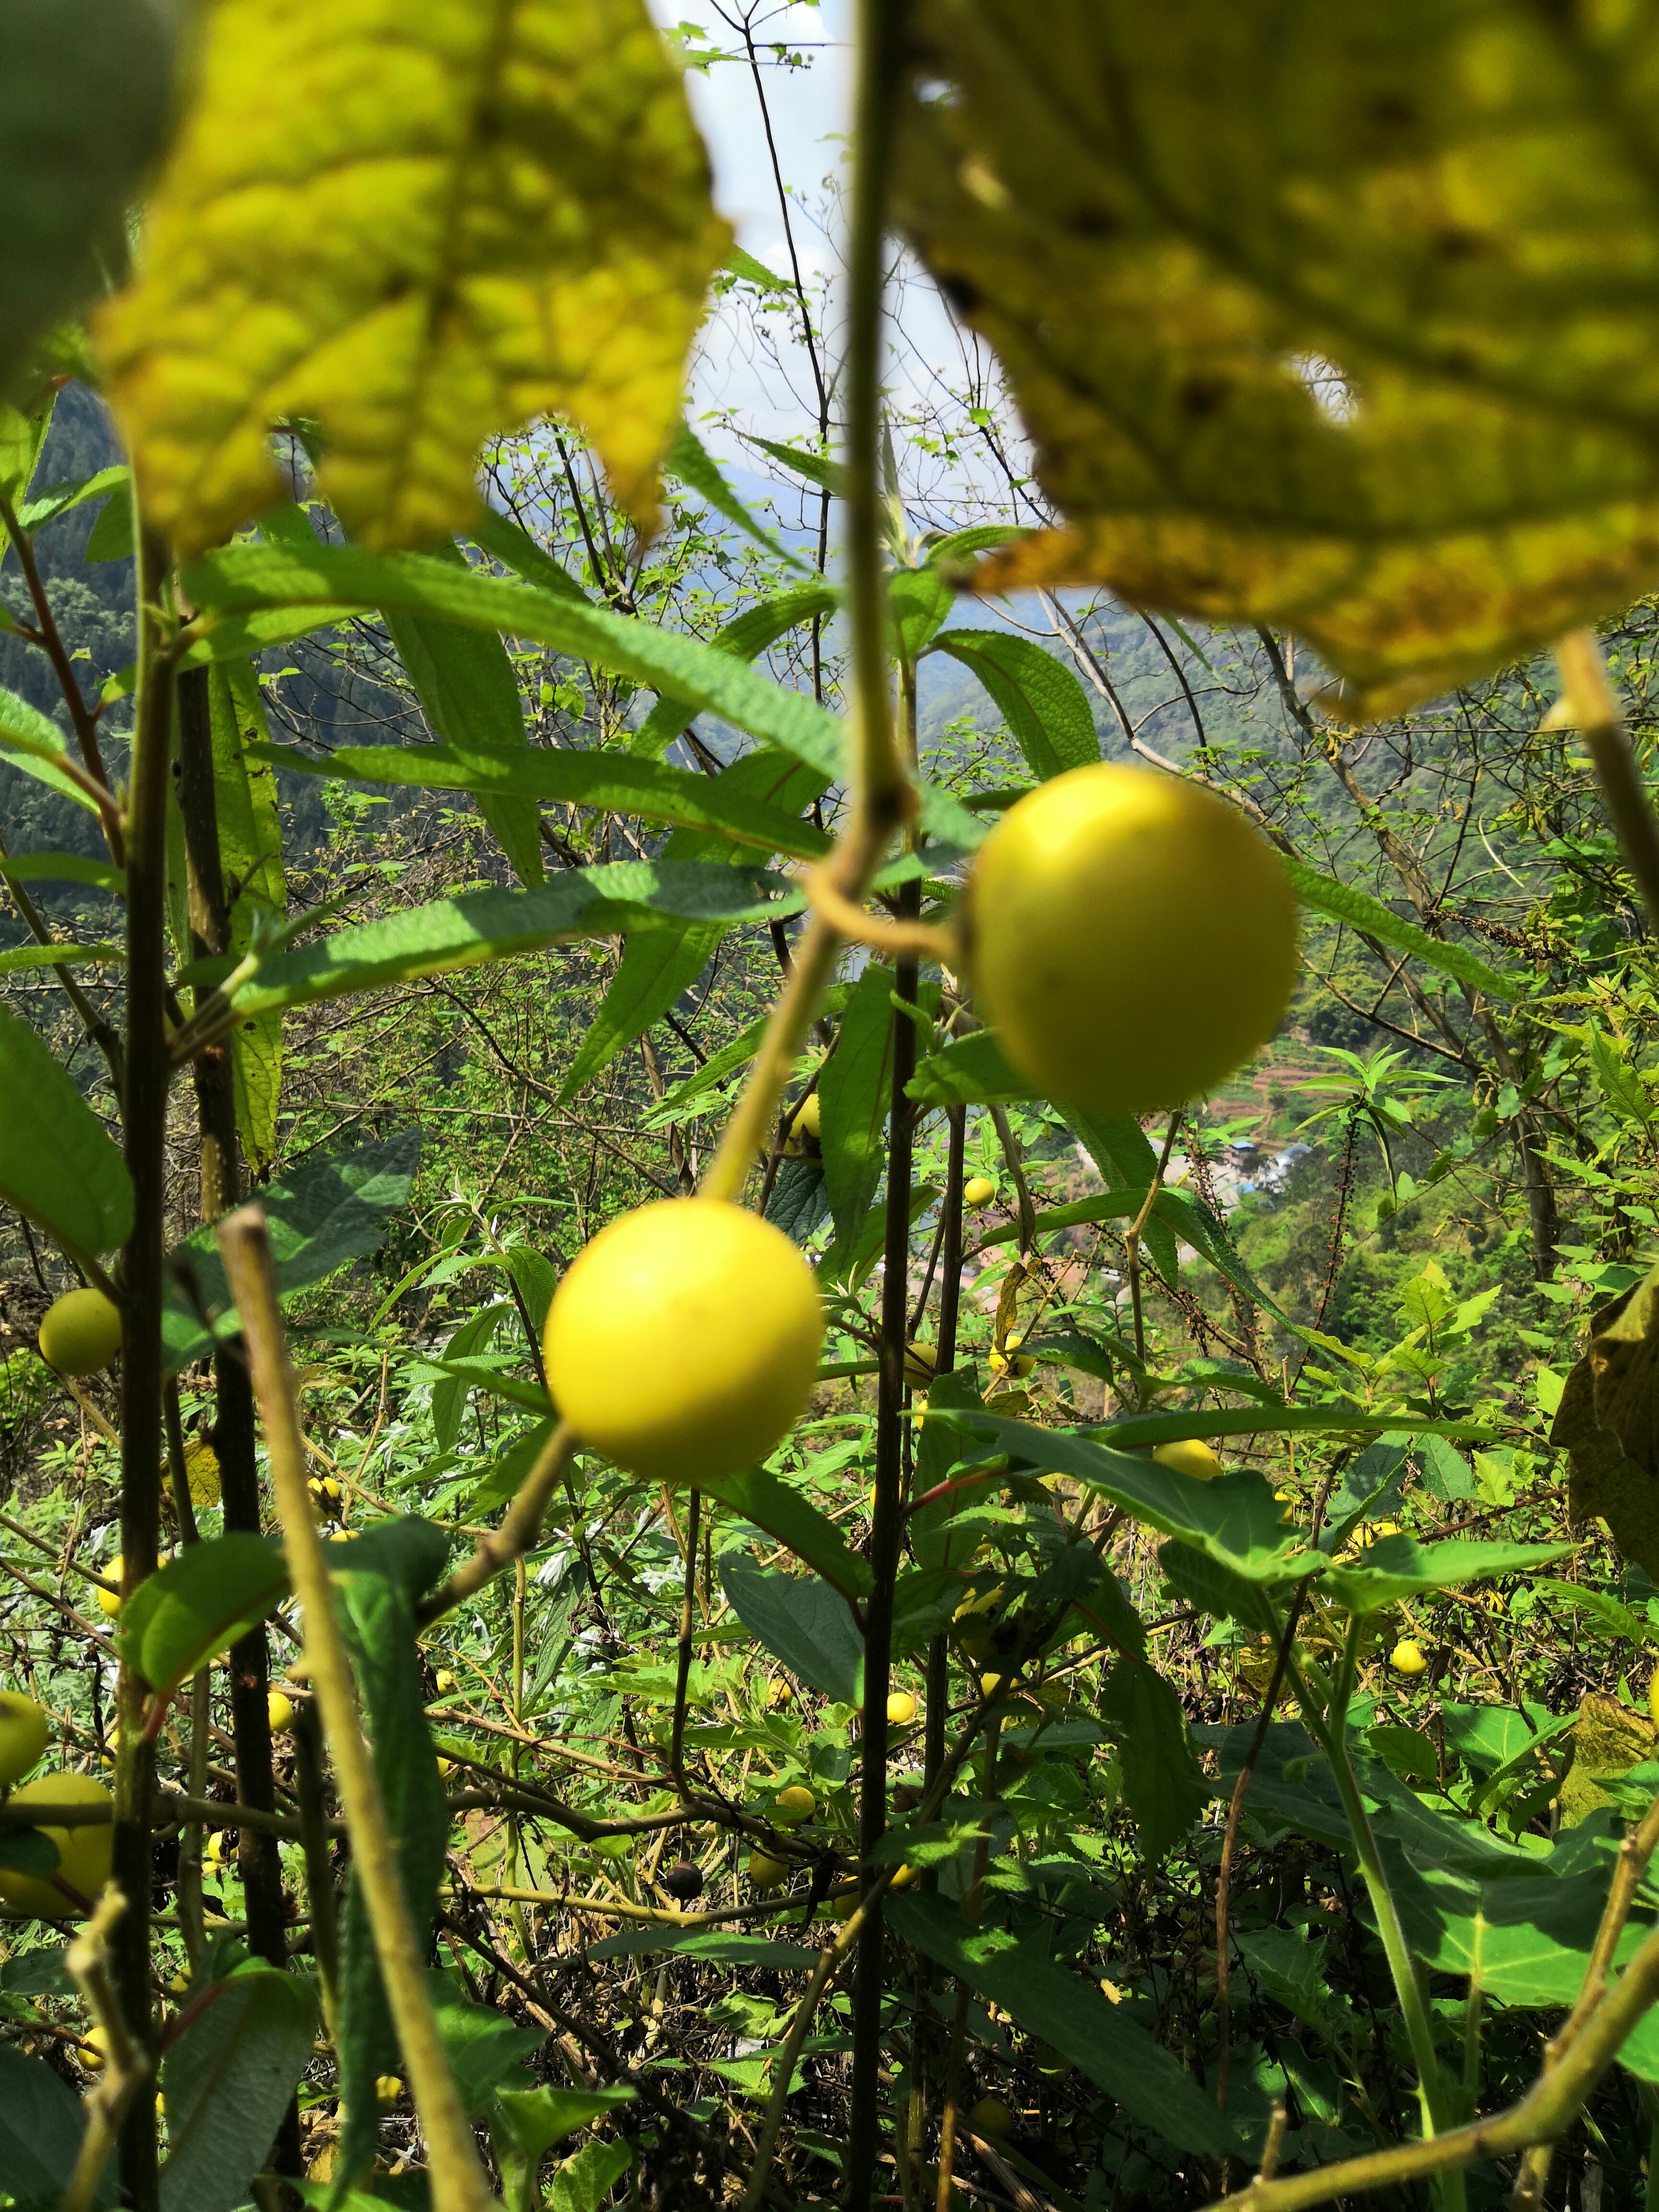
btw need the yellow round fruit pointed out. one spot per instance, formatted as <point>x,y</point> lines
<point>388,2088</point>
<point>202,1471</point>
<point>24,1728</point>
<point>684,1342</point>
<point>80,1333</point>
<point>845,1905</point>
<point>767,1873</point>
<point>279,1711</point>
<point>778,1692</point>
<point>1190,1455</point>
<point>991,2116</point>
<point>213,1850</point>
<point>443,1682</point>
<point>1408,1657</point>
<point>794,1805</point>
<point>94,2053</point>
<point>1130,936</point>
<point>978,1190</point>
<point>1011,1360</point>
<point>83,1854</point>
<point>1653,1696</point>
<point>901,1709</point>
<point>805,1124</point>
<point>920,1358</point>
<point>906,1878</point>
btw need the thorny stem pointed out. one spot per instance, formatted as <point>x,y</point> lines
<point>458,2180</point>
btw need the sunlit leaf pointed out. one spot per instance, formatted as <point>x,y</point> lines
<point>1323,317</point>
<point>57,1163</point>
<point>517,220</point>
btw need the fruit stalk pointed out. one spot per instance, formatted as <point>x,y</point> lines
<point>144,1108</point>
<point>458,2181</point>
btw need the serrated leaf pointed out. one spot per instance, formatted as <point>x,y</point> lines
<point>968,1072</point>
<point>700,472</point>
<point>56,1164</point>
<point>84,102</point>
<point>1162,1783</point>
<point>779,1508</point>
<point>745,637</point>
<point>518,223</point>
<point>802,1621</point>
<point>1312,316</point>
<point>1400,1567</point>
<point>327,1212</point>
<point>228,2079</point>
<point>1074,2019</point>
<point>617,783</point>
<point>35,745</point>
<point>1347,902</point>
<point>1036,695</point>
<point>199,1604</point>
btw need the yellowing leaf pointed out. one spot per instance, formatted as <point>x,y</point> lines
<point>414,226</point>
<point>1342,318</point>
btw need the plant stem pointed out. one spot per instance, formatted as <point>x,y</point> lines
<point>458,2181</point>
<point>1593,710</point>
<point>144,1130</point>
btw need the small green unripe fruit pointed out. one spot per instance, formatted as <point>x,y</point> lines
<point>24,1728</point>
<point>1408,1658</point>
<point>767,1873</point>
<point>83,1854</point>
<point>1190,1455</point>
<point>794,1805</point>
<point>80,1332</point>
<point>978,1190</point>
<point>1131,937</point>
<point>684,1342</point>
<point>920,1358</point>
<point>901,1709</point>
<point>991,2116</point>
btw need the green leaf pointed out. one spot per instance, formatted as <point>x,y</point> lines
<point>1035,693</point>
<point>687,459</point>
<point>746,636</point>
<point>779,1508</point>
<point>199,1604</point>
<point>719,1947</point>
<point>328,1211</point>
<point>1119,1147</point>
<point>742,263</point>
<point>919,604</point>
<point>57,499</point>
<point>23,957</point>
<point>1071,2017</point>
<point>228,2079</point>
<point>617,782</point>
<point>1275,1420</point>
<point>1235,1518</point>
<point>970,1071</point>
<point>56,1166</point>
<point>239,579</point>
<point>659,965</point>
<point>802,1621</point>
<point>112,535</point>
<point>1347,902</point>
<point>64,868</point>
<point>1213,1587</point>
<point>469,697</point>
<point>1161,1783</point>
<point>41,2124</point>
<point>817,468</point>
<point>583,2183</point>
<point>1188,1218</point>
<point>251,856</point>
<point>85,99</point>
<point>1400,1567</point>
<point>493,924</point>
<point>449,1396</point>
<point>538,2118</point>
<point>377,1579</point>
<point>483,2045</point>
<point>517,550</point>
<point>853,1090</point>
<point>1314,330</point>
<point>490,243</point>
<point>34,746</point>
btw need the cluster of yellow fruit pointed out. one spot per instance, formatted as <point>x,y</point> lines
<point>83,1853</point>
<point>1132,938</point>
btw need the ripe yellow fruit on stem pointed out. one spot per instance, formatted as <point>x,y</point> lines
<point>978,1190</point>
<point>280,1711</point>
<point>1011,1360</point>
<point>794,1805</point>
<point>1408,1657</point>
<point>767,1873</point>
<point>684,1342</point>
<point>94,2053</point>
<point>1190,1455</point>
<point>805,1126</point>
<point>443,1682</point>
<point>388,2088</point>
<point>80,1333</point>
<point>901,1709</point>
<point>83,1854</point>
<point>24,1728</point>
<point>991,2116</point>
<point>1131,937</point>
